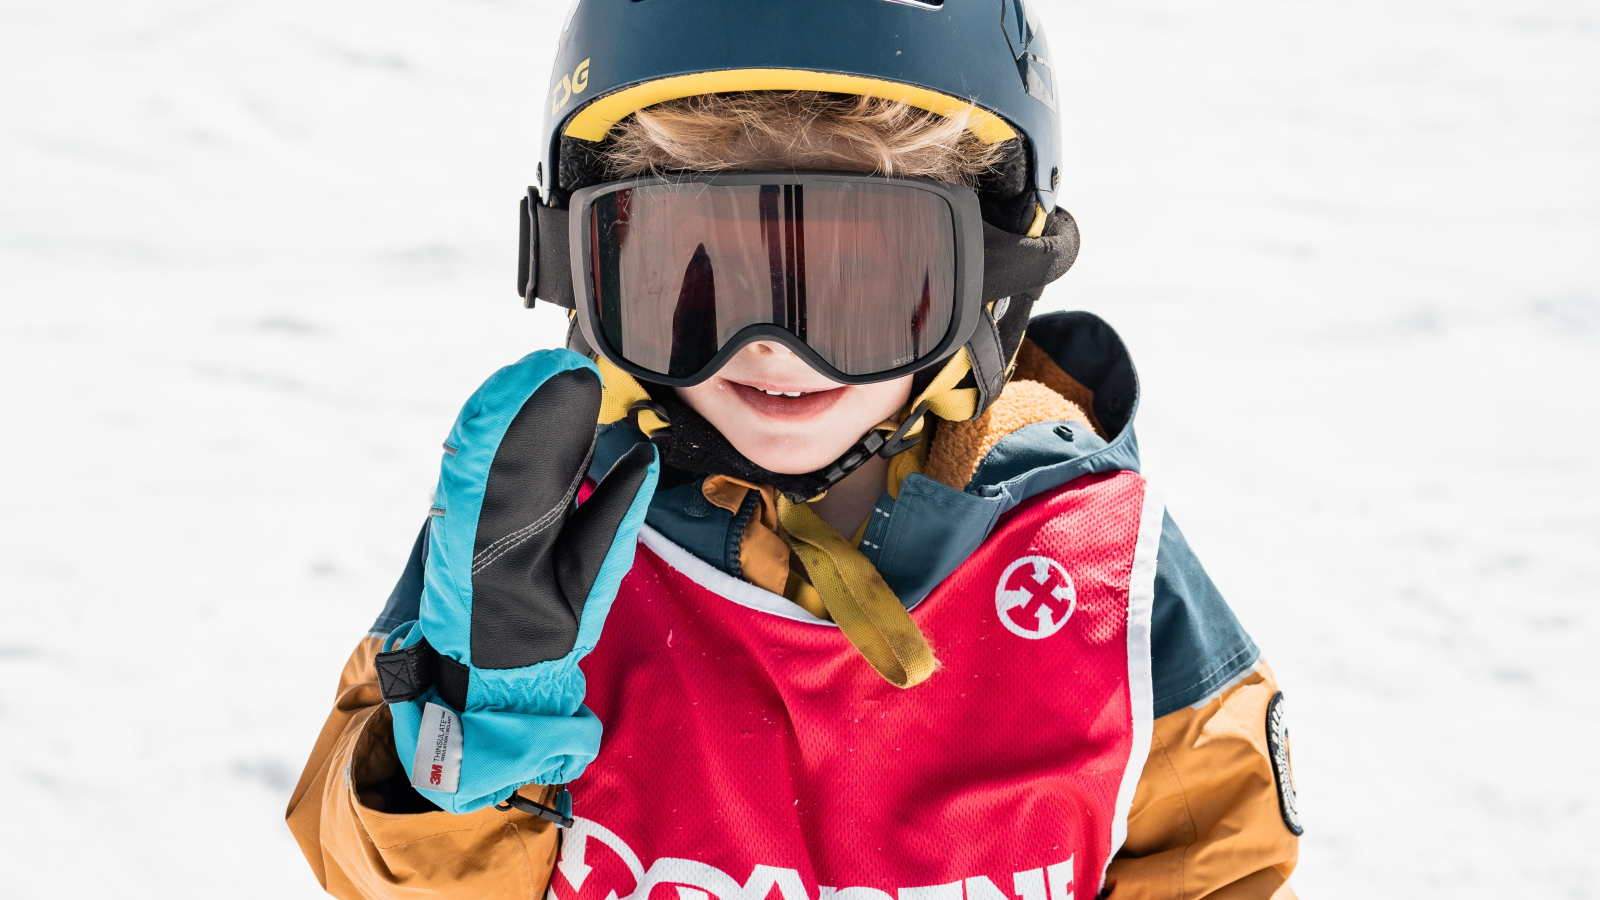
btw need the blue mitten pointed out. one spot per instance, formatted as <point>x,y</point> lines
<point>485,687</point>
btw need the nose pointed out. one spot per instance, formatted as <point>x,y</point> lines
<point>771,347</point>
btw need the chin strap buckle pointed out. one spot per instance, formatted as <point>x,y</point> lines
<point>560,816</point>
<point>874,444</point>
<point>649,428</point>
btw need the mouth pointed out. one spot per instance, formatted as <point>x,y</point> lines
<point>778,401</point>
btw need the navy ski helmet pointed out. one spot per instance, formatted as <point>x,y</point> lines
<point>617,57</point>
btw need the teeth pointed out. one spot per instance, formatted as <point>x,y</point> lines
<point>783,393</point>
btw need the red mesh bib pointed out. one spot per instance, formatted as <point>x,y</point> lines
<point>749,751</point>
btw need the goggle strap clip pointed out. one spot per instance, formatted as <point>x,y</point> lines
<point>897,443</point>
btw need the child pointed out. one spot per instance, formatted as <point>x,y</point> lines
<point>801,242</point>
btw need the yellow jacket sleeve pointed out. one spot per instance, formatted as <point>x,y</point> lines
<point>360,852</point>
<point>1205,821</point>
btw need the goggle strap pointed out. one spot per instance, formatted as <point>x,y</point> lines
<point>544,267</point>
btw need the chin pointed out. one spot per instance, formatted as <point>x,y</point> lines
<point>791,433</point>
<point>797,456</point>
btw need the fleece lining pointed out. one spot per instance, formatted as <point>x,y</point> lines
<point>1034,364</point>
<point>959,447</point>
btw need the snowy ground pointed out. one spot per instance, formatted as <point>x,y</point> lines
<point>253,255</point>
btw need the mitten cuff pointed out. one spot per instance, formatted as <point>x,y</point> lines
<point>499,751</point>
<point>497,729</point>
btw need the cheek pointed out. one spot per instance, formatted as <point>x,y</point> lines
<point>885,397</point>
<point>703,398</point>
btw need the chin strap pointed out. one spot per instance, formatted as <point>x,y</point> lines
<point>943,399</point>
<point>622,397</point>
<point>892,437</point>
<point>857,598</point>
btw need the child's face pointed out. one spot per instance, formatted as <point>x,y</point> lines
<point>790,435</point>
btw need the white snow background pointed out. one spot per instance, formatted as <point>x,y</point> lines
<point>253,256</point>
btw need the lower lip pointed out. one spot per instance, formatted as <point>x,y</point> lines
<point>789,409</point>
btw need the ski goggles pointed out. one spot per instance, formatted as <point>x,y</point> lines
<point>866,278</point>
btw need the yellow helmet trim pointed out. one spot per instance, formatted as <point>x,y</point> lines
<point>593,121</point>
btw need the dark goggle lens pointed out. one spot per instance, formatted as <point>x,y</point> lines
<point>863,273</point>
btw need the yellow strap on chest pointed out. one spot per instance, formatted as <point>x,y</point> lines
<point>857,598</point>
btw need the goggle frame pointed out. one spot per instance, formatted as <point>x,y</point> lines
<point>966,306</point>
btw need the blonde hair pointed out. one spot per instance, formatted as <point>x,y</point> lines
<point>799,130</point>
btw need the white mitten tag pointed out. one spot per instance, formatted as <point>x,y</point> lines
<point>437,764</point>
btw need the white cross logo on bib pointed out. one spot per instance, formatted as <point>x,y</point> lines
<point>1035,597</point>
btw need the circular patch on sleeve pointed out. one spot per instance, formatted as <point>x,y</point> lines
<point>1278,748</point>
